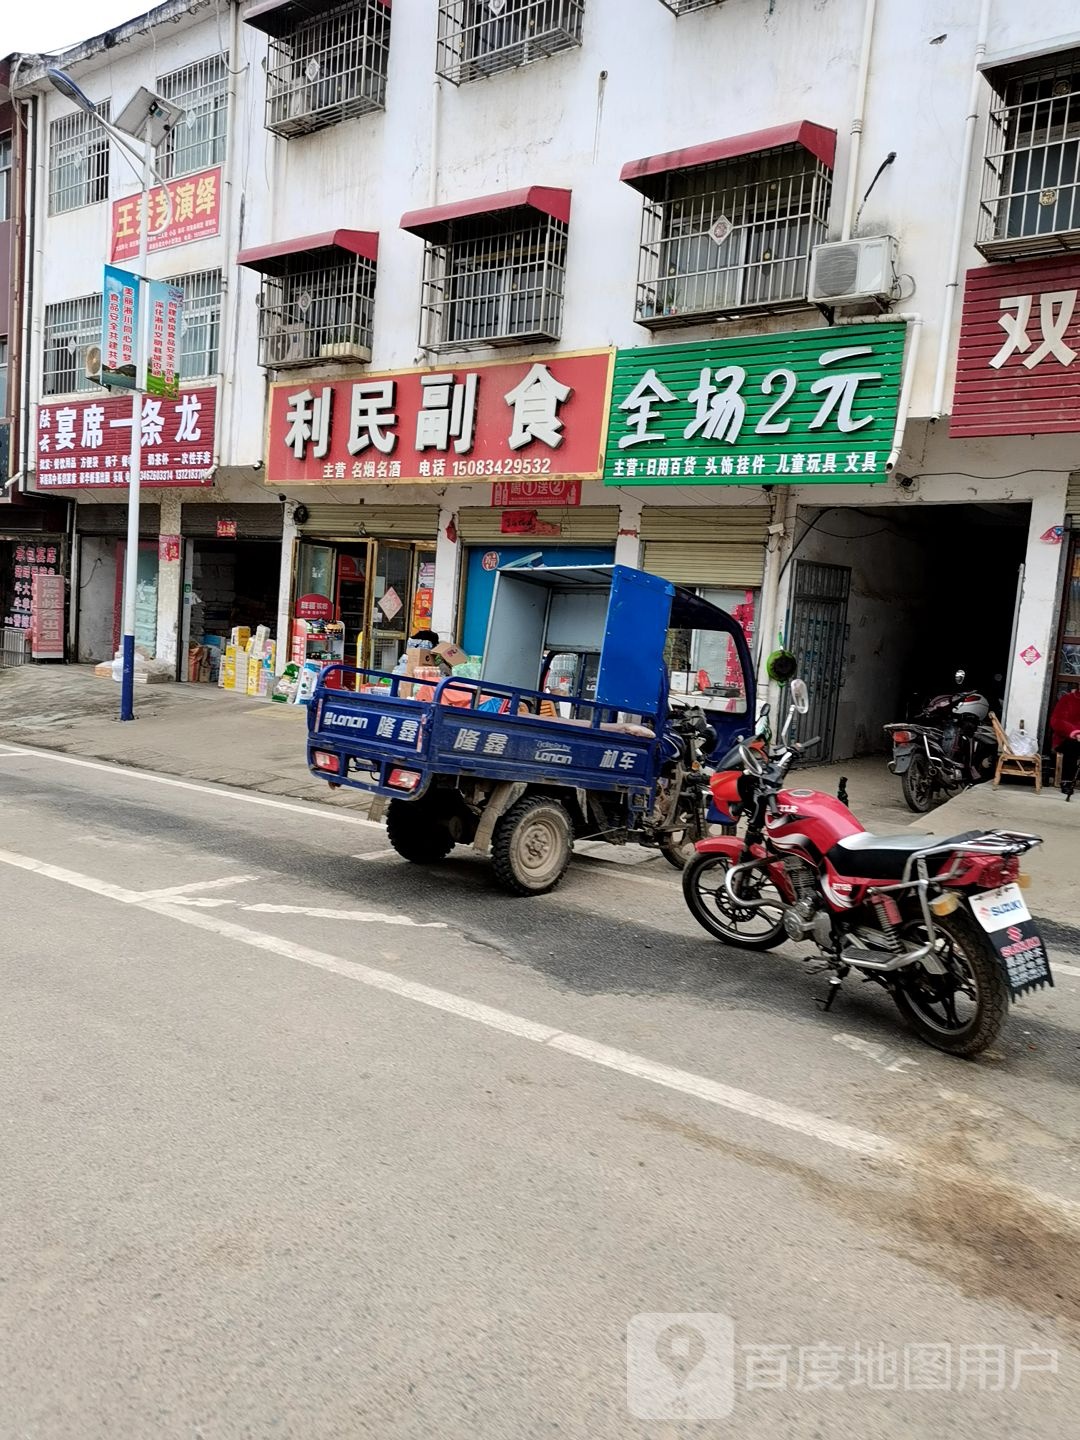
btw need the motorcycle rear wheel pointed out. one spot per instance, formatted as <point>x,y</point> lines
<point>703,890</point>
<point>962,1012</point>
<point>917,782</point>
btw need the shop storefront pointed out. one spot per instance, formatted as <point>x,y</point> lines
<point>32,542</point>
<point>232,563</point>
<point>99,580</point>
<point>1066,674</point>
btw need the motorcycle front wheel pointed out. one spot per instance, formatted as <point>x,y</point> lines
<point>962,1011</point>
<point>716,912</point>
<point>918,785</point>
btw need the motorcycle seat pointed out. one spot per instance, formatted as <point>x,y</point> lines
<point>883,857</point>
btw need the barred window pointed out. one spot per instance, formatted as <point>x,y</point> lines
<point>70,327</point>
<point>1031,171</point>
<point>201,334</point>
<point>198,142</point>
<point>78,161</point>
<point>315,308</point>
<point>327,67</point>
<point>482,37</point>
<point>5,176</point>
<point>685,7</point>
<point>731,236</point>
<point>491,282</point>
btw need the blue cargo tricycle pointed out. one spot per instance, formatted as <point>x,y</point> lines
<point>573,730</point>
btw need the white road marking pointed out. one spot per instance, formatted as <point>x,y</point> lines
<point>196,885</point>
<point>377,855</point>
<point>882,1055</point>
<point>1060,969</point>
<point>313,811</point>
<point>365,917</point>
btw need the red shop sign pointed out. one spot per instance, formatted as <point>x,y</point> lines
<point>530,419</point>
<point>535,492</point>
<point>226,529</point>
<point>83,443</point>
<point>314,607</point>
<point>526,522</point>
<point>196,213</point>
<point>1018,364</point>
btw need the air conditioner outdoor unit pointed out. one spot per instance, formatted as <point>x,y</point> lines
<point>92,363</point>
<point>288,345</point>
<point>345,350</point>
<point>849,271</point>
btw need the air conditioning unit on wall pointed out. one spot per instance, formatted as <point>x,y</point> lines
<point>287,345</point>
<point>847,272</point>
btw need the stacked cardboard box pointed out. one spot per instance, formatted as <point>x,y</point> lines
<point>248,663</point>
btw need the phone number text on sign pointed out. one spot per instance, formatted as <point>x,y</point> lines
<point>535,417</point>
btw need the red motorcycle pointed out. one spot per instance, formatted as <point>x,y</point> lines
<point>940,923</point>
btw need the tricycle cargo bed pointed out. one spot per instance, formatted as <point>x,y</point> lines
<point>391,744</point>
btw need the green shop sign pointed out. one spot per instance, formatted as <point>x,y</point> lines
<point>810,406</point>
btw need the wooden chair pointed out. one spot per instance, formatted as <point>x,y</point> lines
<point>1009,763</point>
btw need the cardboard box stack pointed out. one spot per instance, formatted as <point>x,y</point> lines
<point>248,663</point>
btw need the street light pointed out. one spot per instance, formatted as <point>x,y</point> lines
<point>150,119</point>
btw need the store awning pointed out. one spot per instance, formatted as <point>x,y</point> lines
<point>278,17</point>
<point>540,199</point>
<point>817,139</point>
<point>273,259</point>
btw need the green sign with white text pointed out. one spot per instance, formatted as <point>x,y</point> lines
<point>805,407</point>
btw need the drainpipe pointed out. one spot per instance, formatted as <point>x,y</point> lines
<point>858,116</point>
<point>914,322</point>
<point>952,282</point>
<point>436,127</point>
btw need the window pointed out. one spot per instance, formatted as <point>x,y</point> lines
<point>1031,172</point>
<point>3,376</point>
<point>78,161</point>
<point>198,142</point>
<point>730,237</point>
<point>317,307</point>
<point>494,281</point>
<point>482,37</point>
<point>5,176</point>
<point>70,327</point>
<point>201,334</point>
<point>328,67</point>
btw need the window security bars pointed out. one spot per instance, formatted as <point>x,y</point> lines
<point>1030,199</point>
<point>685,7</point>
<point>198,142</point>
<point>317,312</point>
<point>482,37</point>
<point>78,161</point>
<point>731,237</point>
<point>201,335</point>
<point>328,68</point>
<point>70,326</point>
<point>492,283</point>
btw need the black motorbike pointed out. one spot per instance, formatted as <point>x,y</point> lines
<point>946,747</point>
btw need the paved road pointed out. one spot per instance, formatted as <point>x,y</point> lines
<point>299,1140</point>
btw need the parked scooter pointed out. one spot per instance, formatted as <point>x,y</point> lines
<point>939,923</point>
<point>945,748</point>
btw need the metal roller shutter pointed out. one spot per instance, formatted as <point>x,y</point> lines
<point>699,545</point>
<point>582,525</point>
<point>112,520</point>
<point>1072,495</point>
<point>410,522</point>
<point>253,522</point>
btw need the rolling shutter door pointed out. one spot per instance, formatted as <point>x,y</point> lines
<point>253,522</point>
<point>703,546</point>
<point>581,525</point>
<point>112,520</point>
<point>1072,495</point>
<point>382,522</point>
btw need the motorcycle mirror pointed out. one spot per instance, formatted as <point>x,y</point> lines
<point>800,696</point>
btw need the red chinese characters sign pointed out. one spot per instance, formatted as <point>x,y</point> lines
<point>30,562</point>
<point>196,213</point>
<point>536,492</point>
<point>87,442</point>
<point>533,418</point>
<point>1018,366</point>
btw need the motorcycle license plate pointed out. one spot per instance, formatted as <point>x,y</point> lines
<point>1004,915</point>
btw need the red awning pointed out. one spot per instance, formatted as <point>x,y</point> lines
<point>431,224</point>
<point>818,140</point>
<point>272,259</point>
<point>276,17</point>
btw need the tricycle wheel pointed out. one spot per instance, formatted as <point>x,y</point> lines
<point>532,845</point>
<point>417,832</point>
<point>679,847</point>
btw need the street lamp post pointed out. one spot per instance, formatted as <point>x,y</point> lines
<point>147,118</point>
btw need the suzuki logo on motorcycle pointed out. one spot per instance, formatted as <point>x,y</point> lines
<point>1014,932</point>
<point>1007,908</point>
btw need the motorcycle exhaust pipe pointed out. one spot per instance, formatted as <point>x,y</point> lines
<point>729,891</point>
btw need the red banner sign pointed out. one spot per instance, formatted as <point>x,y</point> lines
<point>1018,366</point>
<point>30,562</point>
<point>534,418</point>
<point>86,443</point>
<point>526,522</point>
<point>536,492</point>
<point>47,617</point>
<point>226,529</point>
<point>196,213</point>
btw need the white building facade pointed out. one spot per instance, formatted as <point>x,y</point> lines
<point>424,245</point>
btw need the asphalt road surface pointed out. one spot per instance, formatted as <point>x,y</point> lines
<point>300,1140</point>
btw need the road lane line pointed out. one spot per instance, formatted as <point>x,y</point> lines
<point>364,917</point>
<point>313,811</point>
<point>1059,969</point>
<point>196,885</point>
<point>69,877</point>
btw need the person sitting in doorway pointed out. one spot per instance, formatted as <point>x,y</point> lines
<point>418,640</point>
<point>1065,731</point>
